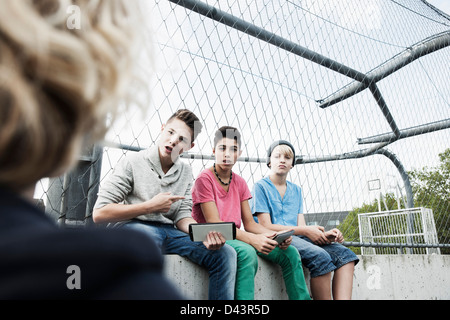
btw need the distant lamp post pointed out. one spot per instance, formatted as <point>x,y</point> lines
<point>375,185</point>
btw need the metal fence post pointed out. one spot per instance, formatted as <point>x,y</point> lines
<point>71,197</point>
<point>408,188</point>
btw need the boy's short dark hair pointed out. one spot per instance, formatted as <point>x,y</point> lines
<point>190,119</point>
<point>227,132</point>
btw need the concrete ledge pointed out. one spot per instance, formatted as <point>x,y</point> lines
<point>402,277</point>
<point>192,280</point>
<point>379,277</point>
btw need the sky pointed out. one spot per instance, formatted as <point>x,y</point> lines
<point>443,5</point>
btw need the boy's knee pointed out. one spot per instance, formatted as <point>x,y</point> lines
<point>323,256</point>
<point>228,253</point>
<point>224,254</point>
<point>247,254</point>
<point>292,252</point>
<point>292,255</point>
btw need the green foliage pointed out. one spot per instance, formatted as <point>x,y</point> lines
<point>431,188</point>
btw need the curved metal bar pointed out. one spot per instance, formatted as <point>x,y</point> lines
<point>409,132</point>
<point>403,174</point>
<point>269,37</point>
<point>420,49</point>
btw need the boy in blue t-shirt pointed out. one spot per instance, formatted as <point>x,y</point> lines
<point>278,205</point>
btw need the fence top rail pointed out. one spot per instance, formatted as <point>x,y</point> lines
<point>395,245</point>
<point>393,212</point>
<point>400,235</point>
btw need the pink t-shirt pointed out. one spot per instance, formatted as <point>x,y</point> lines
<point>206,189</point>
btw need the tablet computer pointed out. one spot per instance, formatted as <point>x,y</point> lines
<point>199,231</point>
<point>283,235</point>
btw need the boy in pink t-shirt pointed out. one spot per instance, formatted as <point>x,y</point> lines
<point>208,189</point>
<point>219,195</point>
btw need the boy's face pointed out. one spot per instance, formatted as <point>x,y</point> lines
<point>280,162</point>
<point>175,139</point>
<point>226,152</point>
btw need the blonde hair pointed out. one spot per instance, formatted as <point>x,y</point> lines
<point>285,150</point>
<point>57,84</point>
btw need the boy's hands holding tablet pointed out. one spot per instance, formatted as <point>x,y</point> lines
<point>213,235</point>
<point>214,240</point>
<point>284,238</point>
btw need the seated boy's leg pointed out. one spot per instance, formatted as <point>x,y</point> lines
<point>314,257</point>
<point>340,255</point>
<point>150,229</point>
<point>221,264</point>
<point>291,266</point>
<point>247,265</point>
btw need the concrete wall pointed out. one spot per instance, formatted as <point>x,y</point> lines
<point>402,277</point>
<point>379,277</point>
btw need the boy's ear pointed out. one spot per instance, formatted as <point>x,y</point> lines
<point>240,153</point>
<point>162,127</point>
<point>190,147</point>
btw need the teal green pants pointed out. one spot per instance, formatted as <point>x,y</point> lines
<point>247,265</point>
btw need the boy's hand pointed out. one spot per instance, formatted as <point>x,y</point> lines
<point>214,241</point>
<point>162,202</point>
<point>334,235</point>
<point>317,235</point>
<point>286,243</point>
<point>264,243</point>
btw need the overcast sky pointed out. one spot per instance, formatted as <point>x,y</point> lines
<point>443,5</point>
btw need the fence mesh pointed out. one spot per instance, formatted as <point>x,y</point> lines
<point>345,79</point>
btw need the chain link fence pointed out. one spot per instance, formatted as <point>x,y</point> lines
<point>360,88</point>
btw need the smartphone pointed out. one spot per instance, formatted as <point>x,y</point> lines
<point>199,231</point>
<point>283,235</point>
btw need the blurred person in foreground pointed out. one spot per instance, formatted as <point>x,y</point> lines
<point>57,88</point>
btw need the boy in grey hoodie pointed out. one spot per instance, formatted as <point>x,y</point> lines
<point>150,191</point>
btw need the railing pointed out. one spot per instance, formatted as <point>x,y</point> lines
<point>408,226</point>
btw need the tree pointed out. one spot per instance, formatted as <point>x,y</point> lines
<point>431,188</point>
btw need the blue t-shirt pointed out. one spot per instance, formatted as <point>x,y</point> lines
<point>267,199</point>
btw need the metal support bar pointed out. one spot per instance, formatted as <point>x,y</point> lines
<point>409,132</point>
<point>72,195</point>
<point>94,182</point>
<point>394,245</point>
<point>403,174</point>
<point>344,156</point>
<point>298,159</point>
<point>384,108</point>
<point>187,155</point>
<point>420,49</point>
<point>269,37</point>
